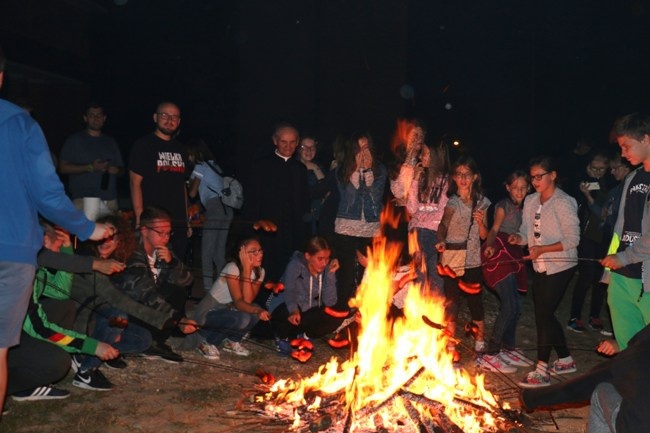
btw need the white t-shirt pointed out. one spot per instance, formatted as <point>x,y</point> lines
<point>219,290</point>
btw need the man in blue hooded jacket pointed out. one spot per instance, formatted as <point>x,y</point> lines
<point>29,186</point>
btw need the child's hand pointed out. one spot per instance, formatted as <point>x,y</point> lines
<point>245,258</point>
<point>108,266</point>
<point>478,215</point>
<point>488,252</point>
<point>612,262</point>
<point>106,352</point>
<point>534,252</point>
<point>264,315</point>
<point>294,318</point>
<point>334,265</point>
<point>63,236</point>
<point>440,247</point>
<point>363,260</point>
<point>188,326</point>
<point>163,253</point>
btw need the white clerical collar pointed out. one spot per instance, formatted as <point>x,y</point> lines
<point>286,158</point>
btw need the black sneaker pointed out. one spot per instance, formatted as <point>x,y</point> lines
<point>41,393</point>
<point>75,363</point>
<point>93,380</point>
<point>162,352</point>
<point>116,364</point>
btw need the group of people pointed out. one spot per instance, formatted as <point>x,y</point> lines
<point>125,290</point>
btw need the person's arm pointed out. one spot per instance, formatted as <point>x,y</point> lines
<point>193,189</point>
<point>101,287</point>
<point>44,185</point>
<point>66,167</point>
<point>37,326</point>
<point>135,181</point>
<point>176,273</point>
<point>65,262</point>
<point>329,284</point>
<point>292,290</point>
<point>237,286</point>
<point>499,216</point>
<point>443,228</point>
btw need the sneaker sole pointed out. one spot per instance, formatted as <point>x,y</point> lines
<point>533,385</point>
<point>495,370</point>
<point>86,386</point>
<point>40,397</point>
<point>568,371</point>
<point>160,358</point>
<point>486,366</point>
<point>577,331</point>
<point>210,357</point>
<point>236,353</point>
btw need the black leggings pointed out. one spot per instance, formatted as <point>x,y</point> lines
<point>313,322</point>
<point>548,291</point>
<point>35,363</point>
<point>453,294</point>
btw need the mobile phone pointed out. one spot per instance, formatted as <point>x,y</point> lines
<point>592,186</point>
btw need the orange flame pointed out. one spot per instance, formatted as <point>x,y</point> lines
<point>393,355</point>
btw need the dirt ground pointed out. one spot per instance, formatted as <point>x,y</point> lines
<point>210,396</point>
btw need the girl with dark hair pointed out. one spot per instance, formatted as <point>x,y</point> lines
<point>551,229</point>
<point>463,225</point>
<point>206,180</point>
<point>227,311</point>
<point>361,180</point>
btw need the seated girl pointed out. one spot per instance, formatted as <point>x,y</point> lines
<point>227,312</point>
<point>309,286</point>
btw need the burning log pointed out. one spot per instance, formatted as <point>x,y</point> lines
<point>446,424</point>
<point>369,410</point>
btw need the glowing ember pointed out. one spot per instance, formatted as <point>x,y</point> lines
<point>401,377</point>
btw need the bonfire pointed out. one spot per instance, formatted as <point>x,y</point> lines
<point>401,377</point>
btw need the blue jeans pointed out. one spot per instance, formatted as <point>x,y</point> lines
<point>605,404</point>
<point>213,240</point>
<point>505,325</point>
<point>427,240</point>
<point>227,323</point>
<point>133,339</point>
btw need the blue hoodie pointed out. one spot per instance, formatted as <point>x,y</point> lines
<point>29,185</point>
<point>305,291</point>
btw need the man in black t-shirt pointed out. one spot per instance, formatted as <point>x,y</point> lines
<point>157,170</point>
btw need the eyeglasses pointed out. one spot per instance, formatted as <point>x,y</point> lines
<point>163,234</point>
<point>538,177</point>
<point>256,252</point>
<point>591,167</point>
<point>110,238</point>
<point>167,116</point>
<point>463,176</point>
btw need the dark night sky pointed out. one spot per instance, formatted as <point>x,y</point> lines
<point>521,78</point>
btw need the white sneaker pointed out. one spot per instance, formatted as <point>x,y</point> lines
<point>516,358</point>
<point>235,347</point>
<point>208,350</point>
<point>494,363</point>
